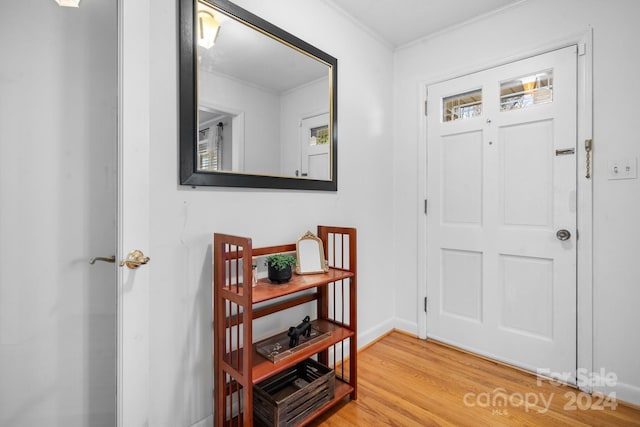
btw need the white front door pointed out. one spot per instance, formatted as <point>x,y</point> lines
<point>501,187</point>
<point>315,147</point>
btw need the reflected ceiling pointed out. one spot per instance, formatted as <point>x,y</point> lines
<point>243,54</point>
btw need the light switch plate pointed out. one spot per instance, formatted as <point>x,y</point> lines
<point>623,169</point>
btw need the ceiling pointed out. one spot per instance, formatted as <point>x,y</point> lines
<point>398,22</point>
<point>249,56</point>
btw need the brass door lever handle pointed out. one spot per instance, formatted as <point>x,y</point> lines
<point>134,259</point>
<point>93,259</point>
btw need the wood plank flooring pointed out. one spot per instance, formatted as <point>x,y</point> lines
<point>404,381</point>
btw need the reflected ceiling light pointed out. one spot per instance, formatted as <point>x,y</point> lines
<point>529,83</point>
<point>208,29</point>
<point>68,3</point>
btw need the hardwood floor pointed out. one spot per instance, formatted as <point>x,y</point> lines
<point>404,381</point>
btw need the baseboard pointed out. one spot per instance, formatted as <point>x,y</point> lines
<point>372,334</point>
<point>378,332</point>
<point>406,326</point>
<point>625,393</point>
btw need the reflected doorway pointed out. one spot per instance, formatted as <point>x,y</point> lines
<point>220,140</point>
<point>315,149</point>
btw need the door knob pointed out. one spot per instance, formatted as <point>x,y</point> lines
<point>563,234</point>
<point>134,259</point>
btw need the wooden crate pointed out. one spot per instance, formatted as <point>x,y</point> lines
<point>289,397</point>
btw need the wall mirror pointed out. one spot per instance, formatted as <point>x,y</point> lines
<point>258,106</point>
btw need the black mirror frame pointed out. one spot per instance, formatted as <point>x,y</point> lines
<point>188,105</point>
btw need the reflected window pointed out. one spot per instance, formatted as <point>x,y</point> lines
<point>319,135</point>
<point>206,159</point>
<point>526,91</point>
<point>210,148</point>
<point>462,106</point>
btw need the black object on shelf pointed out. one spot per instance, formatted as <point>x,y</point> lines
<point>276,347</point>
<point>295,332</point>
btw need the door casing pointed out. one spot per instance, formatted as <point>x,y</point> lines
<point>133,213</point>
<point>584,243</point>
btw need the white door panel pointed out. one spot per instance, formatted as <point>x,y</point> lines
<point>462,275</point>
<point>499,280</point>
<point>526,174</point>
<point>461,178</point>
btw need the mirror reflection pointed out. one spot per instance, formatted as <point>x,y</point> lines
<point>263,105</point>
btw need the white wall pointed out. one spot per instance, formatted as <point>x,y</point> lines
<point>296,104</point>
<point>184,219</point>
<point>272,119</point>
<point>616,203</point>
<point>261,110</point>
<point>57,209</point>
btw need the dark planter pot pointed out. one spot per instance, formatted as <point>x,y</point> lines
<point>279,276</point>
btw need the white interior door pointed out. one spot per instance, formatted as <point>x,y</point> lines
<point>57,211</point>
<point>501,184</point>
<point>315,147</point>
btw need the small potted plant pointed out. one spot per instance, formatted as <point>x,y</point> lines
<point>279,266</point>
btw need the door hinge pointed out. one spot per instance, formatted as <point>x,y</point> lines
<point>426,107</point>
<point>425,304</point>
<point>425,206</point>
<point>582,49</point>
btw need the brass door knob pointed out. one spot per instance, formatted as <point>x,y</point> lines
<point>134,259</point>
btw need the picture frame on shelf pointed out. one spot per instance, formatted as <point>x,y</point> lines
<point>310,255</point>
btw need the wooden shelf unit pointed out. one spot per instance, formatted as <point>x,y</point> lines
<point>238,367</point>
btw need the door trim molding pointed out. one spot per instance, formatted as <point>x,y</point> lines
<point>584,245</point>
<point>585,209</point>
<point>132,318</point>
